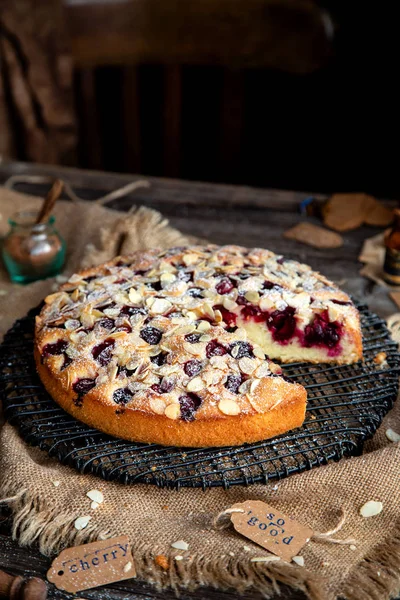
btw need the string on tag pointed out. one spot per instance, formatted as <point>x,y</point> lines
<point>222,521</point>
<point>130,187</point>
<point>327,536</point>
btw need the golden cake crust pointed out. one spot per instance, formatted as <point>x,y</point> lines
<point>143,347</point>
<point>142,426</point>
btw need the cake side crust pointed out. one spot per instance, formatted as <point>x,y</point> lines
<point>144,427</point>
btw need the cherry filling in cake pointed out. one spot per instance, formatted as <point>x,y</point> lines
<point>189,403</point>
<point>56,348</point>
<point>282,325</point>
<point>102,353</point>
<point>189,333</point>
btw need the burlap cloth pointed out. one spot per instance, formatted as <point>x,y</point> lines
<point>154,518</point>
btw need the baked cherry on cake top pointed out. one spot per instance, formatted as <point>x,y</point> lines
<point>175,347</point>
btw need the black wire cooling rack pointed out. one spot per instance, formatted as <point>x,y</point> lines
<point>346,404</point>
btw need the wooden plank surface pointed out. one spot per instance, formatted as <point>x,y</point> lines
<point>165,191</point>
<point>222,214</point>
<point>28,562</point>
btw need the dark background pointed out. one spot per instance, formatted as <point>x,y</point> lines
<point>334,128</point>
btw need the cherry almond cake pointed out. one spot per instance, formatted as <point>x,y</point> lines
<point>174,347</point>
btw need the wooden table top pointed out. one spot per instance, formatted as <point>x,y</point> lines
<point>222,214</point>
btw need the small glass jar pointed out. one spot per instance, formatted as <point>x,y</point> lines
<point>32,251</point>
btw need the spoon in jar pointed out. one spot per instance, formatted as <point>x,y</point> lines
<point>49,202</point>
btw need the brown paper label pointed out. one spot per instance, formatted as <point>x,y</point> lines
<point>88,566</point>
<point>271,529</point>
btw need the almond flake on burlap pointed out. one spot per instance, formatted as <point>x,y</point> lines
<point>155,518</point>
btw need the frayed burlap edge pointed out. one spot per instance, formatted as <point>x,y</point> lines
<point>34,522</point>
<point>134,231</point>
<point>377,576</point>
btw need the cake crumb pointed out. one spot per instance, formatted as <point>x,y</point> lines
<point>380,358</point>
<point>162,561</point>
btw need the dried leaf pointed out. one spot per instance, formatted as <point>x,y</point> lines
<point>344,212</point>
<point>379,215</point>
<point>312,235</point>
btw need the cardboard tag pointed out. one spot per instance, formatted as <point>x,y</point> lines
<point>88,566</point>
<point>271,529</point>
